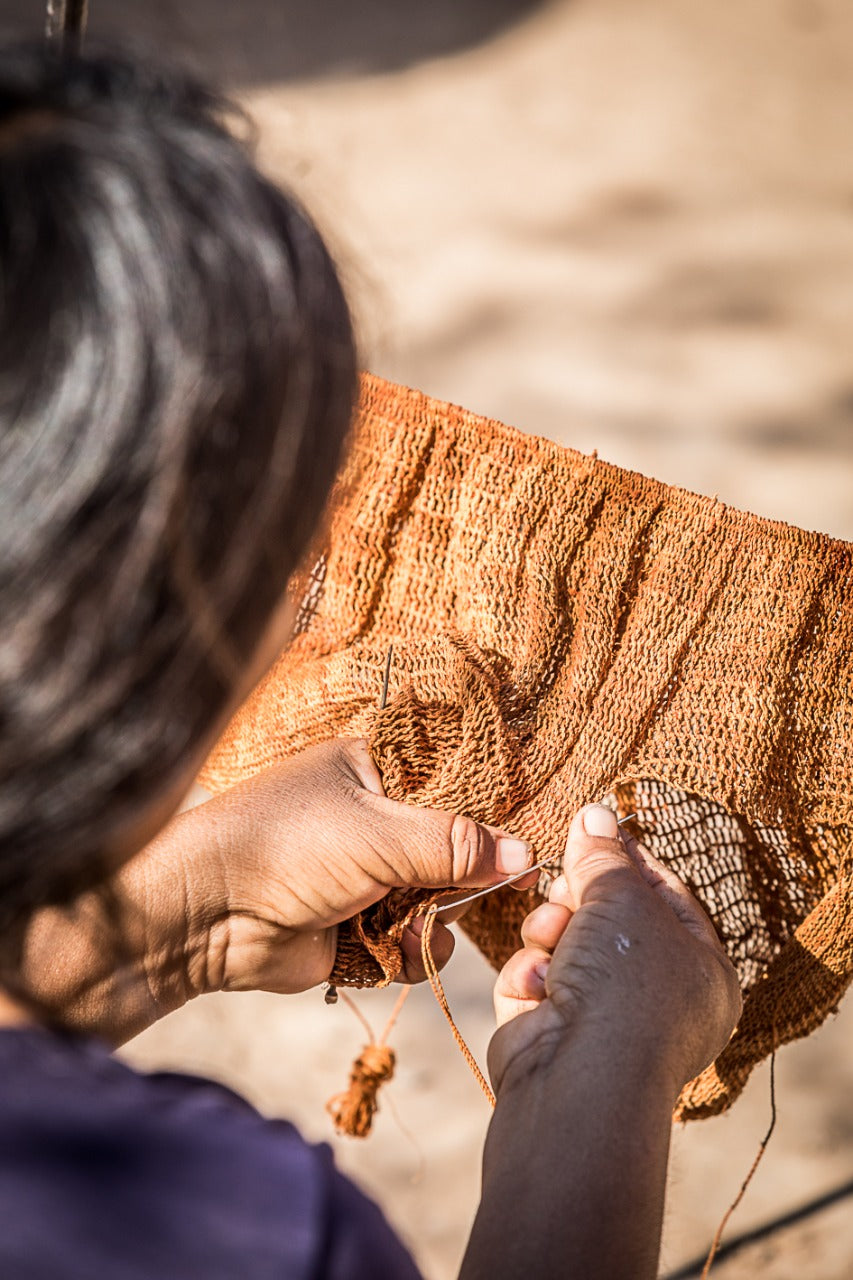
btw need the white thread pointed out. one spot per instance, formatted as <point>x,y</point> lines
<point>458,902</point>
<point>537,866</point>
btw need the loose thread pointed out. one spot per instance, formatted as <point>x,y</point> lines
<point>411,1139</point>
<point>356,1012</point>
<point>715,1244</point>
<point>353,1110</point>
<point>519,875</point>
<point>438,991</point>
<point>432,970</point>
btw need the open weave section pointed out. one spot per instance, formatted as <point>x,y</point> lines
<point>564,630</point>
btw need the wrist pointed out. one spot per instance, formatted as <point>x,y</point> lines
<point>579,1138</point>
<point>185,883</point>
<point>559,1055</point>
<point>240,931</point>
<point>144,944</point>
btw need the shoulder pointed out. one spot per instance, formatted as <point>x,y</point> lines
<point>168,1175</point>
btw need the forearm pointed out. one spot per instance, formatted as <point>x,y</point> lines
<point>125,955</point>
<point>574,1170</point>
<point>247,892</point>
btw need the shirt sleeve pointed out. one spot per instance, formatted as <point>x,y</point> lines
<point>360,1245</point>
<point>142,1177</point>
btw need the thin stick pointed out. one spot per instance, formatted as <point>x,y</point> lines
<point>383,701</point>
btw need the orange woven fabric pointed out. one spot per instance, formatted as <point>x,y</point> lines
<point>564,630</point>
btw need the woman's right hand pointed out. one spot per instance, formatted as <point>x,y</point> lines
<point>620,994</point>
<point>622,955</point>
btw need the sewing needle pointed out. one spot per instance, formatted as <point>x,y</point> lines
<point>537,866</point>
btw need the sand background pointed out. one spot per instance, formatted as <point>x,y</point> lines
<point>628,226</point>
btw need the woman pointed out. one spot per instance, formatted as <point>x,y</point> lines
<point>177,373</point>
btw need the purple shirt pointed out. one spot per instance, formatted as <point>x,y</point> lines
<point>105,1172</point>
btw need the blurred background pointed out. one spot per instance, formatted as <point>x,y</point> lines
<point>626,225</point>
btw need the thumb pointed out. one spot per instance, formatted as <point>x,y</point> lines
<point>595,860</point>
<point>428,848</point>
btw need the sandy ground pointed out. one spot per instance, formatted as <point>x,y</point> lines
<point>628,226</point>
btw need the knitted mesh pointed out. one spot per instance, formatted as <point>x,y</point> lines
<point>565,630</point>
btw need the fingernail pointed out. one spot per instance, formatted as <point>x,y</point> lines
<point>541,969</point>
<point>416,926</point>
<point>598,820</point>
<point>511,856</point>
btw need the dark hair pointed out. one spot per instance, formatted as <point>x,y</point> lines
<point>176,380</point>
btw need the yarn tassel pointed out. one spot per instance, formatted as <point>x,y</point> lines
<point>353,1110</point>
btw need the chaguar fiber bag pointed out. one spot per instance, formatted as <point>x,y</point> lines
<point>563,631</point>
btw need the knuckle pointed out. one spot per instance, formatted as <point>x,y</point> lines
<point>599,858</point>
<point>466,848</point>
<point>356,750</point>
<point>361,766</point>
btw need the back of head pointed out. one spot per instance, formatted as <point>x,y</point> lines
<point>176,380</point>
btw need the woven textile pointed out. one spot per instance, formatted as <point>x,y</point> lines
<point>563,631</point>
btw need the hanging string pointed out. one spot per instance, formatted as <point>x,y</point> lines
<point>438,991</point>
<point>432,969</point>
<point>420,1168</point>
<point>353,1110</point>
<point>715,1244</point>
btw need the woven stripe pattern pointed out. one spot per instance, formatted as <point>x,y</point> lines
<point>563,631</point>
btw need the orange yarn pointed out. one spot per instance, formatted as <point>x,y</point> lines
<point>352,1111</point>
<point>438,992</point>
<point>565,630</point>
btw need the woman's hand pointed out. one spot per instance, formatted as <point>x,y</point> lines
<point>620,994</point>
<point>247,891</point>
<point>308,843</point>
<point>621,946</point>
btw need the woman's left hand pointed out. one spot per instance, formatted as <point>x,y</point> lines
<point>308,843</point>
<point>246,892</point>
